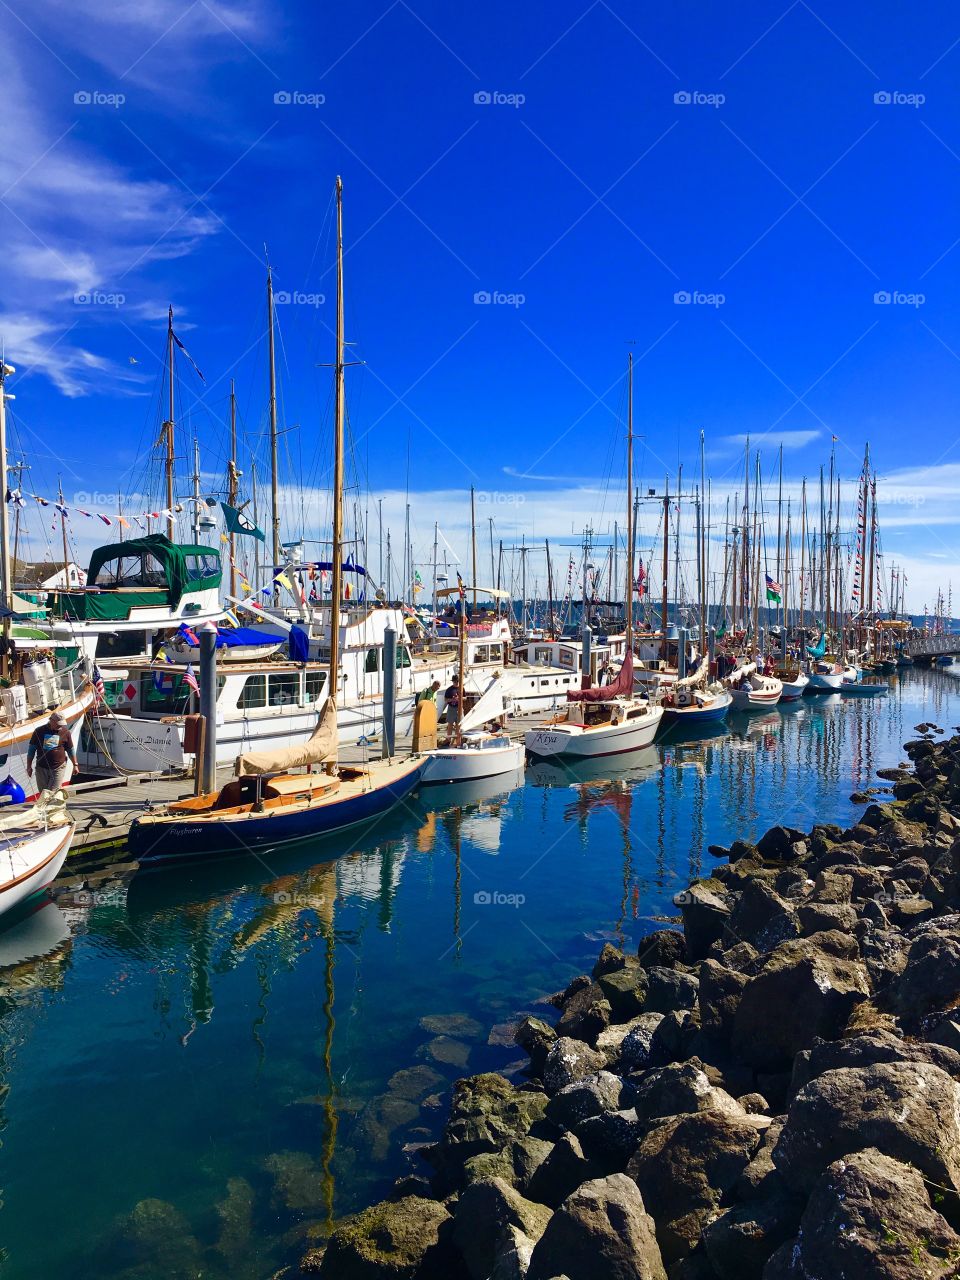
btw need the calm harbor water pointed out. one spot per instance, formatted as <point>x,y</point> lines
<point>197,1075</point>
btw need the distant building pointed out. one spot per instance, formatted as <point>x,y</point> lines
<point>48,576</point>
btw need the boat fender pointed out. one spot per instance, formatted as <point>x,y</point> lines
<point>11,792</point>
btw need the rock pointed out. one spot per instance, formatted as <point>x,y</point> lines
<point>157,1237</point>
<point>414,1083</point>
<point>679,1089</point>
<point>754,1104</point>
<point>911,1111</point>
<point>762,918</point>
<point>610,1041</point>
<point>516,1163</point>
<point>588,1097</point>
<point>635,1046</point>
<point>611,959</point>
<point>457,1025</point>
<point>391,1239</point>
<point>236,1223</point>
<point>931,977</point>
<point>513,1253</point>
<point>380,1120</point>
<point>684,1167</point>
<point>298,1181</point>
<point>563,1170</point>
<point>664,949</point>
<point>816,917</point>
<point>807,988</point>
<point>570,1060</point>
<point>869,1216</point>
<point>484,1210</point>
<point>830,886</point>
<point>674,1038</point>
<point>739,1242</point>
<point>867,1050</point>
<point>760,1178</point>
<point>884,952</point>
<point>601,1230</point>
<point>706,910</point>
<point>670,990</point>
<point>585,1014</point>
<point>485,1114</point>
<point>612,1137</point>
<point>452,1053</point>
<point>626,991</point>
<point>718,997</point>
<point>535,1037</point>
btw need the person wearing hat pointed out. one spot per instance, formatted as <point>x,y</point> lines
<point>51,746</point>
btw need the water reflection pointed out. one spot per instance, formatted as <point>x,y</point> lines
<point>244,1050</point>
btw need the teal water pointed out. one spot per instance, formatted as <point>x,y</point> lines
<point>198,1074</point>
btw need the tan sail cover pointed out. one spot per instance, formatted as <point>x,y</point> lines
<point>697,676</point>
<point>48,810</point>
<point>319,748</point>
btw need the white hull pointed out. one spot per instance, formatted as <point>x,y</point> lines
<point>29,861</point>
<point>468,764</point>
<point>14,739</point>
<point>826,683</point>
<point>793,689</point>
<point>579,742</point>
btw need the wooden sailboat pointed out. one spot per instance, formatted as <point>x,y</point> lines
<point>268,805</point>
<point>33,848</point>
<point>609,719</point>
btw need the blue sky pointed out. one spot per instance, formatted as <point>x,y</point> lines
<point>585,164</point>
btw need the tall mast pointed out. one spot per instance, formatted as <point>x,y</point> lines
<point>336,558</point>
<point>436,530</point>
<point>803,556</point>
<point>473,544</point>
<point>493,568</point>
<point>702,551</point>
<point>63,534</point>
<point>171,517</point>
<point>5,371</point>
<point>665,566</point>
<point>747,565</point>
<point>628,596</point>
<point>829,546</point>
<point>871,494</point>
<point>274,482</point>
<point>232,482</point>
<point>195,522</point>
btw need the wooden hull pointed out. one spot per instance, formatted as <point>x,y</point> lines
<point>174,838</point>
<point>793,689</point>
<point>29,862</point>
<point>716,710</point>
<point>825,682</point>
<point>467,764</point>
<point>574,742</point>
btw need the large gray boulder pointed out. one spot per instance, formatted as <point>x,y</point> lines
<point>393,1239</point>
<point>762,918</point>
<point>739,1242</point>
<point>909,1110</point>
<point>601,1230</point>
<point>487,1112</point>
<point>588,1097</point>
<point>570,1060</point>
<point>718,997</point>
<point>684,1167</point>
<point>931,978</point>
<point>706,909</point>
<point>564,1169</point>
<point>869,1218</point>
<point>484,1211</point>
<point>807,988</point>
<point>865,1051</point>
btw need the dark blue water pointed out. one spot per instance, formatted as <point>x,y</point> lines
<point>198,1075</point>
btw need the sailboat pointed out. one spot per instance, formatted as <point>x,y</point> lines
<point>609,719</point>
<point>33,848</point>
<point>267,805</point>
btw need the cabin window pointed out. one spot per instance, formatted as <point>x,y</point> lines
<point>495,653</point>
<point>543,656</point>
<point>173,696</point>
<point>202,566</point>
<point>131,571</point>
<point>253,693</point>
<point>480,653</point>
<point>403,656</point>
<point>315,683</point>
<point>284,688</point>
<point>566,658</point>
<point>373,661</point>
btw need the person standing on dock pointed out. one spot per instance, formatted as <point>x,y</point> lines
<point>52,746</point>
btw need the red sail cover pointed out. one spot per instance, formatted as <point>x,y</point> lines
<point>622,687</point>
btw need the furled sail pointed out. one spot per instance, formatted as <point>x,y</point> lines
<point>696,677</point>
<point>319,748</point>
<point>621,687</point>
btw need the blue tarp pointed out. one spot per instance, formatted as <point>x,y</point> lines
<point>234,637</point>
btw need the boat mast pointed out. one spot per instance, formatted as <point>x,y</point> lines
<point>63,534</point>
<point>171,517</point>
<point>872,499</point>
<point>473,544</point>
<point>702,510</point>
<point>5,371</point>
<point>803,557</point>
<point>195,522</point>
<point>829,547</point>
<point>436,530</point>
<point>274,482</point>
<point>336,558</point>
<point>232,478</point>
<point>665,567</point>
<point>628,596</point>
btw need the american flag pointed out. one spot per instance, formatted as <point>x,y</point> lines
<point>772,585</point>
<point>98,685</point>
<point>460,587</point>
<point>190,680</point>
<point>641,580</point>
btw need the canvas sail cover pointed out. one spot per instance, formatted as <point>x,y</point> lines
<point>697,676</point>
<point>622,687</point>
<point>319,748</point>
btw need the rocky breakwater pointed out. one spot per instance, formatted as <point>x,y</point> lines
<point>772,1094</point>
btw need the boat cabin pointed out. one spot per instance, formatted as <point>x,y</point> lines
<point>567,655</point>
